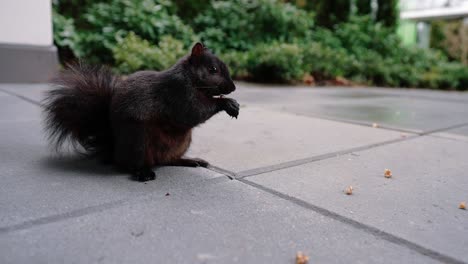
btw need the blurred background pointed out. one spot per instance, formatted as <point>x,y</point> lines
<point>406,43</point>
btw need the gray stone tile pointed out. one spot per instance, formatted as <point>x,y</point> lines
<point>13,108</point>
<point>460,133</point>
<point>35,183</point>
<point>354,92</point>
<point>463,131</point>
<point>413,111</point>
<point>411,114</point>
<point>221,223</point>
<point>261,138</point>
<point>34,92</point>
<point>419,203</point>
<point>437,95</point>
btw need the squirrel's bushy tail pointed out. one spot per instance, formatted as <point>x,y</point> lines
<point>77,109</point>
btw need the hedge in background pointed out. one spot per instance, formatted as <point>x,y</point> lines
<point>242,24</point>
<point>261,40</point>
<point>104,24</point>
<point>134,53</point>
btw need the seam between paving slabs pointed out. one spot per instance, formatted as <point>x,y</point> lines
<point>294,163</point>
<point>358,225</point>
<point>462,137</point>
<point>369,229</point>
<point>99,208</point>
<point>355,224</point>
<point>22,97</point>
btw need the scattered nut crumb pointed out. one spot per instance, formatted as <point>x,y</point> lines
<point>301,258</point>
<point>462,206</point>
<point>349,190</point>
<point>388,173</point>
<point>137,234</point>
<point>375,125</point>
<point>167,194</point>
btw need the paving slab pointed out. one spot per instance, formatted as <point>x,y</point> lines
<point>400,113</point>
<point>419,203</point>
<point>351,92</point>
<point>222,223</point>
<point>66,209</point>
<point>14,109</point>
<point>367,106</point>
<point>459,133</point>
<point>414,110</point>
<point>33,92</point>
<point>36,183</point>
<point>263,137</point>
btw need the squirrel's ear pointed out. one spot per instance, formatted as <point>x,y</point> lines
<point>198,49</point>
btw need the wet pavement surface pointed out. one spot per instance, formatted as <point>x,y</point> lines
<point>276,185</point>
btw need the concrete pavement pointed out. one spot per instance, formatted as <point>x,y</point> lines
<point>291,154</point>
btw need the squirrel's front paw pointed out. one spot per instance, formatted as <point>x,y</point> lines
<point>231,107</point>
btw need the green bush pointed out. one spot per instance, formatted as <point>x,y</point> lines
<point>66,37</point>
<point>242,24</point>
<point>106,23</point>
<point>275,62</point>
<point>446,76</point>
<point>260,40</point>
<point>324,62</point>
<point>368,52</point>
<point>359,35</point>
<point>237,62</point>
<point>134,53</point>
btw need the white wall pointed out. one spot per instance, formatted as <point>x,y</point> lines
<point>26,22</point>
<point>430,4</point>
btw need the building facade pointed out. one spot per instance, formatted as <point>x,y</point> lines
<point>27,52</point>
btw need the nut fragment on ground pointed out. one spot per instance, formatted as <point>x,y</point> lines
<point>349,190</point>
<point>301,258</point>
<point>462,206</point>
<point>388,173</point>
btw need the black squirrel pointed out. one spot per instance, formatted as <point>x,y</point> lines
<point>141,121</point>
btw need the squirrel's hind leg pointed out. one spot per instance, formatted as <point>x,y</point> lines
<point>130,150</point>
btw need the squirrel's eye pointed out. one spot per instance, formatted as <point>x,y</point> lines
<point>213,69</point>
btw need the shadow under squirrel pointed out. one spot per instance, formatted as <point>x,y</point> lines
<point>141,121</point>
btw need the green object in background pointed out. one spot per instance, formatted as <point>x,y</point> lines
<point>407,32</point>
